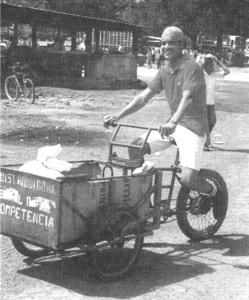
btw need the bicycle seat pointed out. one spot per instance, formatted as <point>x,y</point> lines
<point>19,67</point>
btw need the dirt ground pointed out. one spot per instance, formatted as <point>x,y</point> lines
<point>170,266</point>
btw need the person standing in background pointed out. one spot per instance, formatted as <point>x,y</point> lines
<point>213,69</point>
<point>161,59</point>
<point>153,52</point>
<point>149,59</point>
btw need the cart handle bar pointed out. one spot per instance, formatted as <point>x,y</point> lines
<point>115,124</point>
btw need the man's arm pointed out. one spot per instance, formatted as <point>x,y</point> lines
<point>169,127</point>
<point>222,66</point>
<point>135,105</point>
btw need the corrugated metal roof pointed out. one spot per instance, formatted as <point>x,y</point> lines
<point>49,18</point>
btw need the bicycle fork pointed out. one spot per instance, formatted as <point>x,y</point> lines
<point>170,187</point>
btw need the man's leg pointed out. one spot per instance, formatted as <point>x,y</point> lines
<point>192,180</point>
<point>191,156</point>
<point>136,153</point>
<point>153,144</point>
<point>211,122</point>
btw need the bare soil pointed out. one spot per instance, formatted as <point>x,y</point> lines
<point>170,266</point>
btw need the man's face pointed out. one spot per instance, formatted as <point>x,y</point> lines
<point>209,66</point>
<point>171,49</point>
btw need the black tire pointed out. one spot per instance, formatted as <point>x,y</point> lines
<point>11,88</point>
<point>29,250</point>
<point>116,254</point>
<point>29,91</point>
<point>195,215</point>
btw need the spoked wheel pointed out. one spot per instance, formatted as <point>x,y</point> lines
<point>200,216</point>
<point>118,243</point>
<point>11,88</point>
<point>29,91</point>
<point>29,250</point>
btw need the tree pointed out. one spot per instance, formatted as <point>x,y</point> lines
<point>216,17</point>
<point>224,17</point>
<point>105,9</point>
<point>28,3</point>
<point>210,17</point>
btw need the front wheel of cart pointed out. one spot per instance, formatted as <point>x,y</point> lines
<point>29,250</point>
<point>199,216</point>
<point>118,242</point>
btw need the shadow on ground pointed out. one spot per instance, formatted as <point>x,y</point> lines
<point>246,151</point>
<point>64,136</point>
<point>154,270</point>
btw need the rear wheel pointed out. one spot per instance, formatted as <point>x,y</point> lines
<point>11,88</point>
<point>195,212</point>
<point>118,243</point>
<point>29,91</point>
<point>29,250</point>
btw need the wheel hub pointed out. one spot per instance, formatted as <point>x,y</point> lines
<point>201,205</point>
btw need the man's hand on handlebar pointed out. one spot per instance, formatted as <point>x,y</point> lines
<point>166,129</point>
<point>110,121</point>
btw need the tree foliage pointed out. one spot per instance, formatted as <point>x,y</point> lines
<point>28,3</point>
<point>210,17</point>
<point>105,9</point>
<point>216,17</point>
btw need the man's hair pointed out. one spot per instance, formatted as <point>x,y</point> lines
<point>174,33</point>
<point>208,60</point>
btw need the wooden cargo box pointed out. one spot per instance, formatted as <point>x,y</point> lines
<point>54,212</point>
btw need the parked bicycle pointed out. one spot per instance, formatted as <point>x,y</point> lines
<point>20,84</point>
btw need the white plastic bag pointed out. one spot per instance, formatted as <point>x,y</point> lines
<point>47,152</point>
<point>47,165</point>
<point>37,168</point>
<point>147,165</point>
<point>57,165</point>
<point>47,156</point>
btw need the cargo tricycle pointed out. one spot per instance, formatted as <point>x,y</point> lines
<point>105,215</point>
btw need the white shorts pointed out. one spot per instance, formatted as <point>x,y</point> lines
<point>189,143</point>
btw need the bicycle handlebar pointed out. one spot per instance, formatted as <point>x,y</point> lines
<point>114,159</point>
<point>19,65</point>
<point>114,123</point>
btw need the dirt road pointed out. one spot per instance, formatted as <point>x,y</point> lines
<point>171,266</point>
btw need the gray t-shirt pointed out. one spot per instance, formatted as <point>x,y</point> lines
<point>187,75</point>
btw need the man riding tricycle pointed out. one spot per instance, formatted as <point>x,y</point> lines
<point>108,215</point>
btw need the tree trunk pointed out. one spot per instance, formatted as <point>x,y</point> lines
<point>219,39</point>
<point>34,35</point>
<point>88,41</point>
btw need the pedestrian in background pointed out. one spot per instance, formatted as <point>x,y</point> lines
<point>213,69</point>
<point>153,52</point>
<point>149,59</point>
<point>161,59</point>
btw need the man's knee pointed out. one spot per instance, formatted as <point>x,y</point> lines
<point>189,178</point>
<point>135,153</point>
